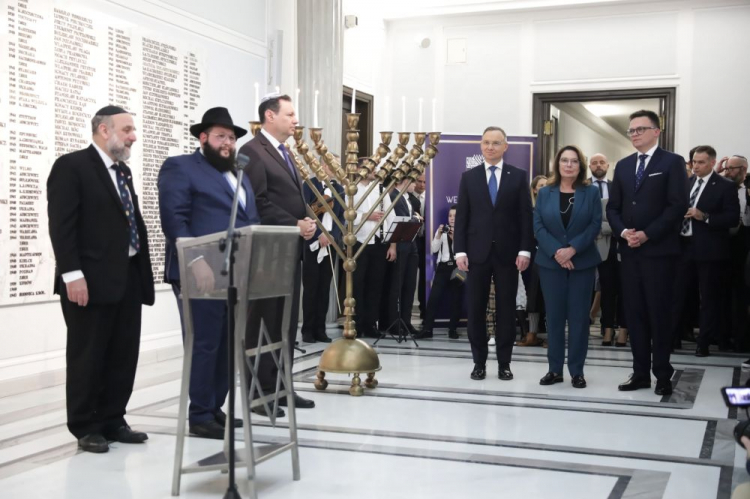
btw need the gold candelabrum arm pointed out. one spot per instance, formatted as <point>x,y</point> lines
<point>385,170</point>
<point>314,164</point>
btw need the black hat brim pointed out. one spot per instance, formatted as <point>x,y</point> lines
<point>198,128</point>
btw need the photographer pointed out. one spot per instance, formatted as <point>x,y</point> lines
<point>446,275</point>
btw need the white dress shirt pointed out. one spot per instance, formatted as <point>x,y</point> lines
<point>275,143</point>
<point>441,245</point>
<point>74,275</point>
<point>368,203</point>
<point>695,188</point>
<point>498,176</point>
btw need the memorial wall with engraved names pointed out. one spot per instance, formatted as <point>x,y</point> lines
<point>61,62</point>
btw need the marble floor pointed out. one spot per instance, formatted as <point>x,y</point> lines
<point>426,431</point>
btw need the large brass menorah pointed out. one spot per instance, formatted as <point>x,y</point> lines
<point>349,355</point>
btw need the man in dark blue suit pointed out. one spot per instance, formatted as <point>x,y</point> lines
<point>195,198</point>
<point>704,236</point>
<point>493,238</point>
<point>317,269</point>
<point>647,203</point>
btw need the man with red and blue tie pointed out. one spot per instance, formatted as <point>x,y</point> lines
<point>103,276</point>
<point>647,202</point>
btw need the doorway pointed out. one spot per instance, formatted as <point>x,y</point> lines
<point>364,107</point>
<point>596,121</point>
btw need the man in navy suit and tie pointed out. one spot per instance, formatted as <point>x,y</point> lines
<point>280,201</point>
<point>195,198</point>
<point>493,238</point>
<point>704,236</point>
<point>647,202</point>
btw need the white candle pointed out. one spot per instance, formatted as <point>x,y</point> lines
<point>403,113</point>
<point>257,99</point>
<point>434,112</point>
<point>299,107</point>
<point>278,90</point>
<point>387,120</point>
<point>419,128</point>
<point>354,99</point>
<point>315,111</point>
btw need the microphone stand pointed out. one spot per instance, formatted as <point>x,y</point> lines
<point>228,246</point>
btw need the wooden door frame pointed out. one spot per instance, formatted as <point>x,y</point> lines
<point>542,102</point>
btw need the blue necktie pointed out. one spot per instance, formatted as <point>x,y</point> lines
<point>641,170</point>
<point>601,189</point>
<point>493,184</point>
<point>288,161</point>
<point>127,204</point>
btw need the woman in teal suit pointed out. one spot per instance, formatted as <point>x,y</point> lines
<point>567,219</point>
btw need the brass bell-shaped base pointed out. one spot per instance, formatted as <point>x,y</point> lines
<point>349,356</point>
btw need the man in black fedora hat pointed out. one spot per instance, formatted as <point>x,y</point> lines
<point>195,198</point>
<point>280,201</point>
<point>103,276</point>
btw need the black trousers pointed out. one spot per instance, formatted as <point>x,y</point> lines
<point>422,283</point>
<point>403,283</point>
<point>369,279</point>
<point>102,355</point>
<point>270,311</point>
<point>647,287</point>
<point>737,295</point>
<point>708,278</point>
<point>316,290</point>
<point>441,282</point>
<point>506,286</point>
<point>613,314</point>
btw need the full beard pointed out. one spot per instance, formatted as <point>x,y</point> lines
<point>599,174</point>
<point>118,149</point>
<point>215,159</point>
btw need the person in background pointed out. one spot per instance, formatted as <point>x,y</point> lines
<point>534,295</point>
<point>444,278</point>
<point>567,219</point>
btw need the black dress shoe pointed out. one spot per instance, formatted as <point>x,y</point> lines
<point>126,435</point>
<point>663,387</point>
<point>221,418</point>
<point>479,372</point>
<point>425,333</point>
<point>551,378</point>
<point>93,442</point>
<point>504,372</point>
<point>299,402</point>
<point>308,338</point>
<point>702,352</point>
<point>261,410</point>
<point>634,383</point>
<point>208,429</point>
<point>453,335</point>
<point>578,381</point>
<point>322,337</point>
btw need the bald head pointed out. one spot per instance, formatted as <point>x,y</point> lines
<point>598,164</point>
<point>736,169</point>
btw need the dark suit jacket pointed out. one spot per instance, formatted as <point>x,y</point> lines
<point>718,199</point>
<point>278,194</point>
<point>585,224</point>
<point>338,210</point>
<point>195,199</point>
<point>657,207</point>
<point>508,223</point>
<point>89,229</point>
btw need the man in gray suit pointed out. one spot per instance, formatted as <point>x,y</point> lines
<point>609,269</point>
<point>278,197</point>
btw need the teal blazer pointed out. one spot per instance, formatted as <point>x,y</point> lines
<point>585,224</point>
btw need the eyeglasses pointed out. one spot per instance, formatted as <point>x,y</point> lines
<point>733,167</point>
<point>224,137</point>
<point>567,161</point>
<point>639,130</point>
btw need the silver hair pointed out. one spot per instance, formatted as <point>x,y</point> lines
<point>98,120</point>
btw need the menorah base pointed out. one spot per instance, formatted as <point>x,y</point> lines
<point>349,356</point>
